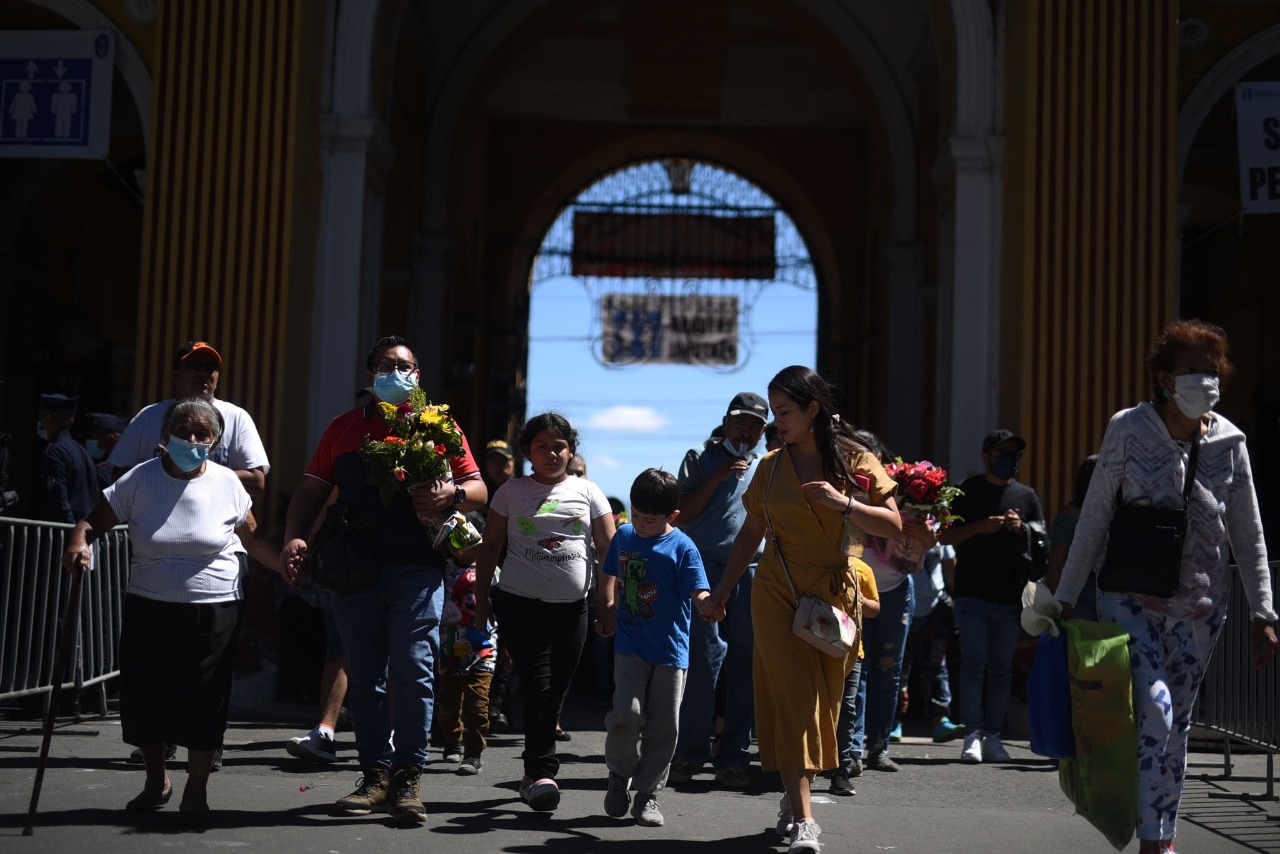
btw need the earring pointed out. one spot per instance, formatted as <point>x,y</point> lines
<point>1166,392</point>
<point>811,426</point>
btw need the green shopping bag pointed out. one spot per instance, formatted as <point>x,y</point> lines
<point>1102,780</point>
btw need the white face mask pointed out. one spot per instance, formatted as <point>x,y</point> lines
<point>738,451</point>
<point>1195,394</point>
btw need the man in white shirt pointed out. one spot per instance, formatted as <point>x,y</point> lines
<point>195,374</point>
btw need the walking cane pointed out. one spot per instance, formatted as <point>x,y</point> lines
<point>69,624</point>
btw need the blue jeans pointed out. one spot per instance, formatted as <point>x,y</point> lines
<point>988,636</point>
<point>392,630</point>
<point>849,726</point>
<point>885,641</point>
<point>720,651</point>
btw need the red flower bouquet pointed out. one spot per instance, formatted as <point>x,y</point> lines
<point>923,492</point>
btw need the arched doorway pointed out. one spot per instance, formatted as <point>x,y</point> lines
<point>659,292</point>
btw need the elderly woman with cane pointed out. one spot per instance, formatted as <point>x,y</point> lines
<point>1173,455</point>
<point>184,602</point>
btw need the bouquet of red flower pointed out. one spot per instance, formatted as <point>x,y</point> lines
<point>421,441</point>
<point>923,490</point>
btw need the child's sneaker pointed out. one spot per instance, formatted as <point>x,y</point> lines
<point>993,749</point>
<point>947,730</point>
<point>971,753</point>
<point>452,753</point>
<point>785,817</point>
<point>315,746</point>
<point>804,837</point>
<point>470,766</point>
<point>645,811</point>
<point>616,799</point>
<point>542,795</point>
<point>841,784</point>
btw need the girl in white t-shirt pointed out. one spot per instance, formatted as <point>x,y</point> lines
<point>544,522</point>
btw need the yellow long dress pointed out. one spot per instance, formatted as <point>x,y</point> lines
<point>798,689</point>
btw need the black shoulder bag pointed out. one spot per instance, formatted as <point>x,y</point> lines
<point>1144,546</point>
<point>341,560</point>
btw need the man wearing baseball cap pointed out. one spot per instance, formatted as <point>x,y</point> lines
<point>712,482</point>
<point>196,369</point>
<point>68,482</point>
<point>991,571</point>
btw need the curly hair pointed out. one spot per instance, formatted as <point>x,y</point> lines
<point>1188,336</point>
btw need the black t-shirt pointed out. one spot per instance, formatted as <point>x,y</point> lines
<point>990,566</point>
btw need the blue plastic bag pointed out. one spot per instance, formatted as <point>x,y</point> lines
<point>1049,700</point>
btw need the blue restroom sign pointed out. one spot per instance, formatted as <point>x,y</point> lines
<point>55,93</point>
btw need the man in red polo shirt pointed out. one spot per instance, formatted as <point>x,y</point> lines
<point>393,627</point>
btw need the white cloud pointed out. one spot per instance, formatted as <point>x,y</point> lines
<point>603,461</point>
<point>628,419</point>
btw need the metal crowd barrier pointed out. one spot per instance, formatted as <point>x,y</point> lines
<point>1238,701</point>
<point>34,591</point>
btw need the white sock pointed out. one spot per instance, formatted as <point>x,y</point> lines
<point>325,730</point>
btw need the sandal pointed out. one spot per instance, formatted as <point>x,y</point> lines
<point>149,803</point>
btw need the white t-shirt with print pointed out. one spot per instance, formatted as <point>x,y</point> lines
<point>182,533</point>
<point>548,531</point>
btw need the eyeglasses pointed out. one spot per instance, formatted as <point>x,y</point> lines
<point>199,367</point>
<point>388,367</point>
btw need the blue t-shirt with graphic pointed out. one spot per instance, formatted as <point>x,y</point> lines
<point>657,577</point>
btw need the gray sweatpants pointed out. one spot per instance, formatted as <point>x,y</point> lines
<point>644,722</point>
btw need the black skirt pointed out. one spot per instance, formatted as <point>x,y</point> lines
<point>176,661</point>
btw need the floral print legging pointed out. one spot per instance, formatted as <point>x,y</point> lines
<point>1168,656</point>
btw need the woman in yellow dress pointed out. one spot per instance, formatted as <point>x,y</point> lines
<point>813,487</point>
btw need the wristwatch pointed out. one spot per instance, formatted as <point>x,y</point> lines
<point>459,497</point>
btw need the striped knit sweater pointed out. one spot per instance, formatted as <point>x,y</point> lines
<point>1139,457</point>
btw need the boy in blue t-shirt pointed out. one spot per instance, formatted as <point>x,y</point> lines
<point>648,584</point>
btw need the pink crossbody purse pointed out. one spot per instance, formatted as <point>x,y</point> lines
<point>817,622</point>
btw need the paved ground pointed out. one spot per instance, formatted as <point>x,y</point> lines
<point>265,800</point>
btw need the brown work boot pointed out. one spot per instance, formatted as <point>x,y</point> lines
<point>406,808</point>
<point>371,794</point>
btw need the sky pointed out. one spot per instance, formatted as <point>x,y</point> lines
<point>636,417</point>
<point>629,419</point>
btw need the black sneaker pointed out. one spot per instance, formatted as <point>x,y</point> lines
<point>855,767</point>
<point>498,721</point>
<point>682,772</point>
<point>841,784</point>
<point>470,766</point>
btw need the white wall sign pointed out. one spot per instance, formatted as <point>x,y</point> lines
<point>1258,132</point>
<point>672,330</point>
<point>55,93</point>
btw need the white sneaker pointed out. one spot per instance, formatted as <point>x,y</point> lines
<point>971,753</point>
<point>315,746</point>
<point>785,822</point>
<point>993,749</point>
<point>804,837</point>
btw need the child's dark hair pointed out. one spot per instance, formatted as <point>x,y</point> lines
<point>655,491</point>
<point>555,424</point>
<point>834,436</point>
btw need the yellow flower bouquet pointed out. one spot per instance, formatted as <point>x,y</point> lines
<point>421,440</point>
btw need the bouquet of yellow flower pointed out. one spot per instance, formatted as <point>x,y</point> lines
<point>421,440</point>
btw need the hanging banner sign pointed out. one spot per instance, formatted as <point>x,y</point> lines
<point>669,330</point>
<point>612,244</point>
<point>1258,139</point>
<point>55,93</point>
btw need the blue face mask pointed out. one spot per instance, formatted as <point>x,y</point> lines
<point>187,456</point>
<point>394,387</point>
<point>41,432</point>
<point>95,450</point>
<point>1004,466</point>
